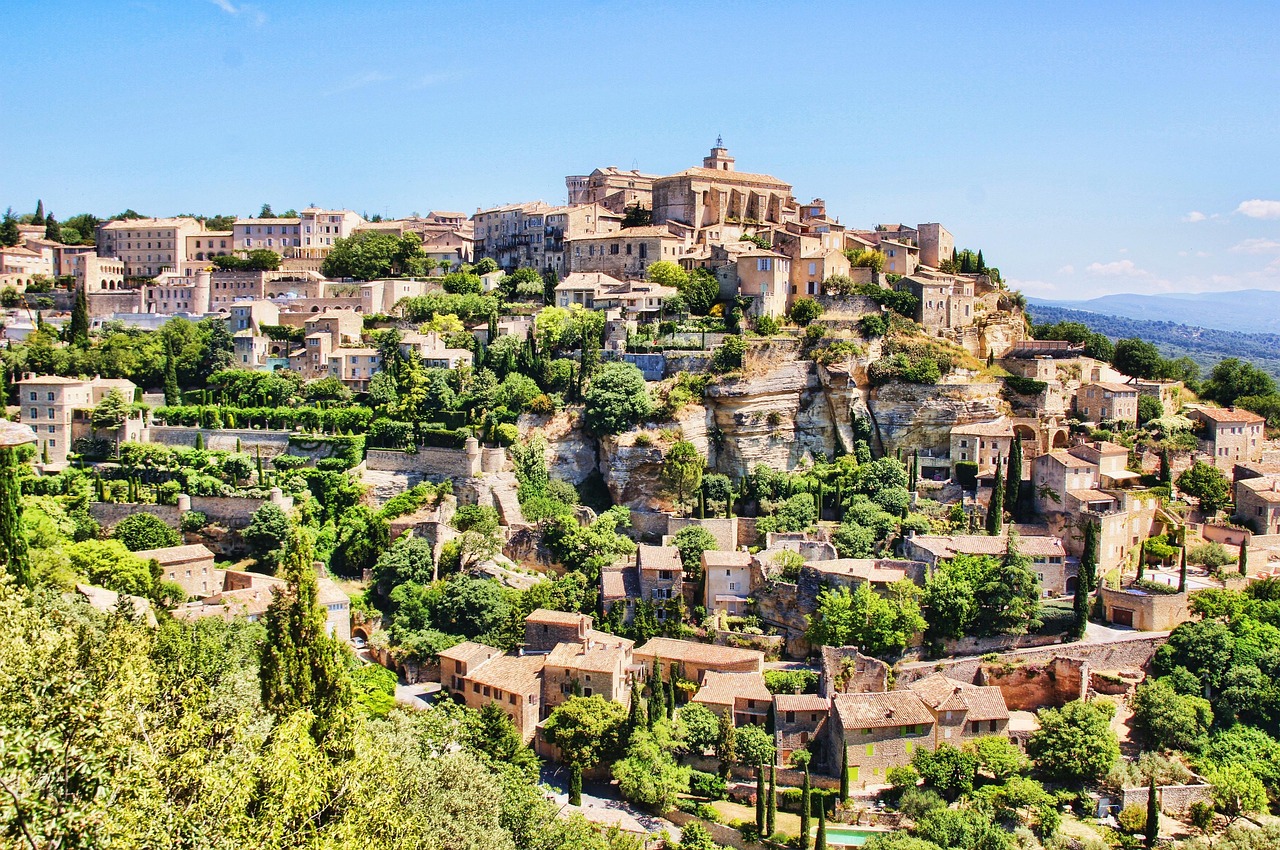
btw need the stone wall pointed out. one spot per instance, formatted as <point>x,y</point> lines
<point>1225,534</point>
<point>726,530</point>
<point>1131,652</point>
<point>1027,687</point>
<point>270,443</point>
<point>432,463</point>
<point>676,362</point>
<point>771,645</point>
<point>229,511</point>
<point>996,643</point>
<point>107,514</point>
<point>650,525</point>
<point>720,834</point>
<point>652,366</point>
<point>1148,612</point>
<point>1174,799</point>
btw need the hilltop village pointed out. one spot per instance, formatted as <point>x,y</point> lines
<point>743,525</point>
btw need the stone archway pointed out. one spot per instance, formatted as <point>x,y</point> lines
<point>1061,439</point>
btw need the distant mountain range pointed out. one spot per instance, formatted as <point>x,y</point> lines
<point>1243,311</point>
<point>1205,345</point>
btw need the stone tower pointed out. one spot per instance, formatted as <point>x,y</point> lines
<point>719,158</point>
<point>200,297</point>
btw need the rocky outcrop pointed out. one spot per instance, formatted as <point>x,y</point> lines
<point>571,452</point>
<point>777,416</point>
<point>915,416</point>
<point>633,472</point>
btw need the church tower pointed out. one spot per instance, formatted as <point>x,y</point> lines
<point>719,159</point>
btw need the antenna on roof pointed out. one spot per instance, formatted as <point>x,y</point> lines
<point>719,141</point>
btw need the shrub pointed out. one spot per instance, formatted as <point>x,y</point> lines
<point>1132,819</point>
<point>506,434</point>
<point>766,325</point>
<point>1025,386</point>
<point>873,325</point>
<point>967,473</point>
<point>707,785</point>
<point>1211,555</point>
<point>145,531</point>
<point>193,521</point>
<point>805,310</point>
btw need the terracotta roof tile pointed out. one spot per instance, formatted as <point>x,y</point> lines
<point>724,688</point>
<point>706,654</point>
<point>880,711</point>
<point>800,702</point>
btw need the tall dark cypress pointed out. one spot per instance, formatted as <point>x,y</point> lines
<point>760,799</point>
<point>995,510</point>
<point>78,333</point>
<point>771,806</point>
<point>13,543</point>
<point>1244,559</point>
<point>172,393</point>
<point>844,774</point>
<point>1153,815</point>
<point>821,843</point>
<point>1085,578</point>
<point>1013,479</point>
<point>806,808</point>
<point>1182,572</point>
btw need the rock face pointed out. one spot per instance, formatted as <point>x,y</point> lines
<point>571,452</point>
<point>913,416</point>
<point>777,416</point>
<point>633,473</point>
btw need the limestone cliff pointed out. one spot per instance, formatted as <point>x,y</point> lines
<point>914,416</point>
<point>571,452</point>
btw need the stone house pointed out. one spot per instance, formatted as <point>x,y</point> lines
<point>727,580</point>
<point>1143,610</point>
<point>982,443</point>
<point>1257,502</point>
<point>945,302</point>
<point>625,254</point>
<point>798,719</point>
<point>248,595</point>
<point>57,409</point>
<point>661,574</point>
<point>190,567</point>
<point>1107,402</point>
<point>514,683</point>
<point>718,202</point>
<point>601,665</point>
<point>741,696</point>
<point>936,244</point>
<point>695,659</point>
<point>612,188</point>
<point>1230,435</point>
<point>620,585</point>
<point>1048,555</point>
<point>544,629</point>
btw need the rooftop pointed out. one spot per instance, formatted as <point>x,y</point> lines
<point>724,688</point>
<point>879,711</point>
<point>1113,388</point>
<point>558,618</point>
<point>469,652</point>
<point>714,558</point>
<point>981,702</point>
<point>176,554</point>
<point>1233,415</point>
<point>513,673</point>
<point>999,428</point>
<point>670,649</point>
<point>800,702</point>
<point>948,546</point>
<point>658,558</point>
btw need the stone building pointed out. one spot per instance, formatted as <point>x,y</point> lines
<point>626,253</point>
<point>718,202</point>
<point>544,629</point>
<point>1109,402</point>
<point>798,719</point>
<point>1143,610</point>
<point>1257,502</point>
<point>742,697</point>
<point>945,302</point>
<point>147,246</point>
<point>661,574</point>
<point>936,244</point>
<point>190,567</point>
<point>281,235</point>
<point>600,664</point>
<point>982,443</point>
<point>764,276</point>
<point>695,659</point>
<point>726,580</point>
<point>1230,435</point>
<point>57,409</point>
<point>612,188</point>
<point>1048,556</point>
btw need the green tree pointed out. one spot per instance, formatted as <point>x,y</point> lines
<point>1233,378</point>
<point>107,563</point>
<point>946,769</point>
<point>771,805</point>
<point>1075,744</point>
<point>362,538</point>
<point>1013,480</point>
<point>995,509</point>
<point>1168,720</point>
<point>998,756</point>
<point>142,531</point>
<point>682,471</point>
<point>13,543</point>
<point>648,775</point>
<point>801,760</point>
<point>9,233</point>
<point>878,625</point>
<point>1149,407</point>
<point>1236,792</point>
<point>587,730</point>
<point>754,745</point>
<point>702,727</point>
<point>1207,483</point>
<point>1152,829</point>
<point>78,330</point>
<point>266,535</point>
<point>1138,358</point>
<point>617,399</point>
<point>805,310</point>
<point>1086,576</point>
<point>172,392</point>
<point>303,668</point>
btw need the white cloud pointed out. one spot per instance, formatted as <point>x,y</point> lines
<point>252,13</point>
<point>1258,208</point>
<point>1256,246</point>
<point>1034,287</point>
<point>1067,269</point>
<point>359,81</point>
<point>1194,216</point>
<point>1119,268</point>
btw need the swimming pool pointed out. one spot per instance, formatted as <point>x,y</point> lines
<point>847,836</point>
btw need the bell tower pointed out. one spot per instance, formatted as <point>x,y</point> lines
<point>719,158</point>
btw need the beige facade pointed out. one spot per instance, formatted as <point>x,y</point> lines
<point>147,246</point>
<point>26,263</point>
<point>433,353</point>
<point>1230,435</point>
<point>1257,503</point>
<point>190,567</point>
<point>695,659</point>
<point>1143,610</point>
<point>321,228</point>
<point>936,244</point>
<point>282,235</point>
<point>512,235</point>
<point>599,664</point>
<point>716,200</point>
<point>945,302</point>
<point>661,573</point>
<point>742,697</point>
<point>1103,401</point>
<point>626,253</point>
<point>52,406</point>
<point>612,188</point>
<point>727,580</point>
<point>203,247</point>
<point>982,443</point>
<point>1048,555</point>
<point>765,278</point>
<point>96,274</point>
<point>355,366</point>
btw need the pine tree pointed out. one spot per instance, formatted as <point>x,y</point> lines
<point>13,543</point>
<point>821,843</point>
<point>1243,563</point>
<point>844,774</point>
<point>301,667</point>
<point>78,334</point>
<point>1153,815</point>
<point>771,806</point>
<point>760,798</point>
<point>172,394</point>
<point>995,510</point>
<point>1182,572</point>
<point>1013,479</point>
<point>9,233</point>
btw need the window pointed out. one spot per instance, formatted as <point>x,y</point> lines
<point>52,429</point>
<point>791,717</point>
<point>49,397</point>
<point>33,395</point>
<point>733,585</point>
<point>764,264</point>
<point>35,412</point>
<point>53,444</point>
<point>813,268</point>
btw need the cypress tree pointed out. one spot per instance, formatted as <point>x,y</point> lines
<point>1142,560</point>
<point>1084,581</point>
<point>995,511</point>
<point>172,393</point>
<point>39,216</point>
<point>1166,472</point>
<point>301,667</point>
<point>78,332</point>
<point>52,230</point>
<point>1153,815</point>
<point>671,693</point>
<point>982,265</point>
<point>844,774</point>
<point>199,441</point>
<point>1013,479</point>
<point>771,805</point>
<point>914,477</point>
<point>13,543</point>
<point>575,785</point>
<point>633,717</point>
<point>821,843</point>
<point>702,504</point>
<point>1182,572</point>
<point>760,795</point>
<point>806,807</point>
<point>1244,559</point>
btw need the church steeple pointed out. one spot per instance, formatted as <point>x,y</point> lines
<point>719,158</point>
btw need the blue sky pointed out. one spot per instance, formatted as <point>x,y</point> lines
<point>1086,147</point>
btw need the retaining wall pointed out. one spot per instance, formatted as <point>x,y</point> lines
<point>1127,653</point>
<point>428,461</point>
<point>271,443</point>
<point>1174,799</point>
<point>230,511</point>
